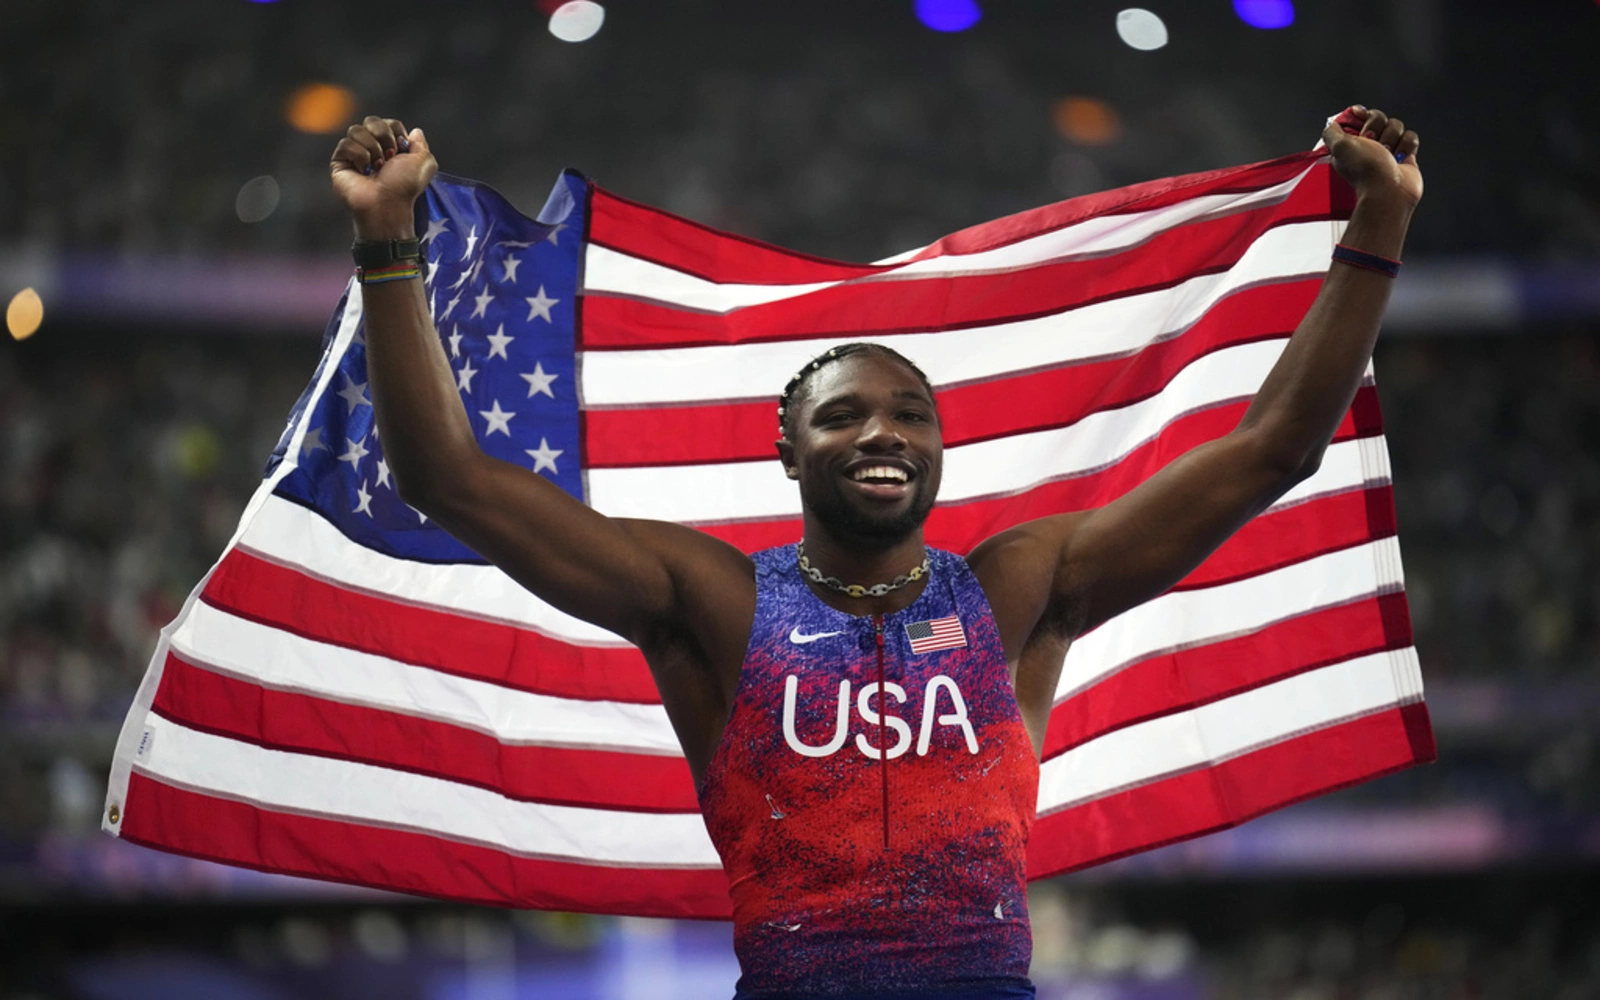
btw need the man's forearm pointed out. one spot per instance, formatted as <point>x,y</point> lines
<point>424,427</point>
<point>1308,391</point>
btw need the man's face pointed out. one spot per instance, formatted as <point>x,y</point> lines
<point>867,449</point>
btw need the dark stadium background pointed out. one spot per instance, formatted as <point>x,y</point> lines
<point>135,420</point>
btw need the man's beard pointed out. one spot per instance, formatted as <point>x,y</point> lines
<point>849,521</point>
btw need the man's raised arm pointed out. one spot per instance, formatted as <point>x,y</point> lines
<point>1096,564</point>
<point>620,575</point>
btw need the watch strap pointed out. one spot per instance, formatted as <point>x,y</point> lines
<point>370,254</point>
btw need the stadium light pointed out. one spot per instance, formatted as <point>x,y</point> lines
<point>1140,29</point>
<point>577,21</point>
<point>1267,15</point>
<point>948,15</point>
<point>1086,121</point>
<point>24,314</point>
<point>257,199</point>
<point>320,108</point>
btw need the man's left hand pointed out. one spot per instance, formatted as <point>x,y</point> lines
<point>1379,157</point>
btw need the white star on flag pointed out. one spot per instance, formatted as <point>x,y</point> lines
<point>354,393</point>
<point>512,263</point>
<point>435,227</point>
<point>363,500</point>
<point>356,451</point>
<point>455,342</point>
<point>498,341</point>
<point>448,306</point>
<point>539,305</point>
<point>313,441</point>
<point>383,473</point>
<point>551,236</point>
<point>538,381</point>
<point>477,265</point>
<point>544,457</point>
<point>499,420</point>
<point>472,241</point>
<point>464,377</point>
<point>461,279</point>
<point>483,304</point>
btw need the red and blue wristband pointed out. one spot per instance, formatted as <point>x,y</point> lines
<point>1367,261</point>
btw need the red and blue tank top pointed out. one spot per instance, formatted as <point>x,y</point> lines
<point>857,872</point>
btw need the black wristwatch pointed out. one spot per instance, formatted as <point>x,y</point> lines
<point>372,254</point>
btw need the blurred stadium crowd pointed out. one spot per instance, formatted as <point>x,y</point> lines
<point>126,454</point>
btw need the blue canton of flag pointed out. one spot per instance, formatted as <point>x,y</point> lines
<point>503,290</point>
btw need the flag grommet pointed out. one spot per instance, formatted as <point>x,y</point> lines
<point>114,814</point>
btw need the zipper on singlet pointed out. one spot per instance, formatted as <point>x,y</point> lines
<point>883,727</point>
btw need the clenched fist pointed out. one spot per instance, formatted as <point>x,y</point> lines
<point>1375,153</point>
<point>378,170</point>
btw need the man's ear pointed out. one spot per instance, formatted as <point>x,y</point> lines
<point>786,456</point>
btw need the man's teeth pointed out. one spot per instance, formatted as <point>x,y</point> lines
<point>880,472</point>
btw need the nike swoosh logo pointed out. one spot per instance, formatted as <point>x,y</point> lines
<point>799,638</point>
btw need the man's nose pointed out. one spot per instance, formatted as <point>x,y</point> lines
<point>879,433</point>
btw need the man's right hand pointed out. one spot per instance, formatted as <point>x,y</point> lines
<point>378,170</point>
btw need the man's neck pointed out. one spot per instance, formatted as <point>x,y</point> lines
<point>865,562</point>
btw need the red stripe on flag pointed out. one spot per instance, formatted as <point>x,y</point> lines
<point>673,241</point>
<point>237,833</point>
<point>651,234</point>
<point>1229,793</point>
<point>960,526</point>
<point>1143,197</point>
<point>1293,534</point>
<point>253,588</point>
<point>921,305</point>
<point>213,702</point>
<point>1200,675</point>
<point>1055,397</point>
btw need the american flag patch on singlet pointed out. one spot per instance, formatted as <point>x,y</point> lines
<point>936,633</point>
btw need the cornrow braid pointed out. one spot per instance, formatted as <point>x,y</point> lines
<point>832,354</point>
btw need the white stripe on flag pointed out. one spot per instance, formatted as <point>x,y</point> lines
<point>1187,618</point>
<point>1213,733</point>
<point>685,375</point>
<point>287,662</point>
<point>611,272</point>
<point>287,533</point>
<point>721,492</point>
<point>379,796</point>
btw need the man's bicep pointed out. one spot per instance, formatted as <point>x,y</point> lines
<point>1144,542</point>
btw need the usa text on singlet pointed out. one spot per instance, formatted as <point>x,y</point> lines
<point>852,869</point>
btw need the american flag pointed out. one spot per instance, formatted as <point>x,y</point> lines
<point>935,634</point>
<point>351,694</point>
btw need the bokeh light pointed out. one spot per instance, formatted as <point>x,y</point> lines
<point>24,314</point>
<point>1265,14</point>
<point>1140,29</point>
<point>257,199</point>
<point>321,108</point>
<point>1086,121</point>
<point>577,21</point>
<point>948,15</point>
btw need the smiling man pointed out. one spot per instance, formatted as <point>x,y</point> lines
<point>863,716</point>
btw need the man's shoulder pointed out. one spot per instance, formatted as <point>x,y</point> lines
<point>1021,570</point>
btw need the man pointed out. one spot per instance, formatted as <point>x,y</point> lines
<point>893,864</point>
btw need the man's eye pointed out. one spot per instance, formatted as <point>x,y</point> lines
<point>914,416</point>
<point>839,417</point>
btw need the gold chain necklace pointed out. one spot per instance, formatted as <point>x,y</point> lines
<point>856,589</point>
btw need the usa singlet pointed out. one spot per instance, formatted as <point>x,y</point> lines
<point>856,872</point>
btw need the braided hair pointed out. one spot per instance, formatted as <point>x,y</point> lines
<point>787,400</point>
